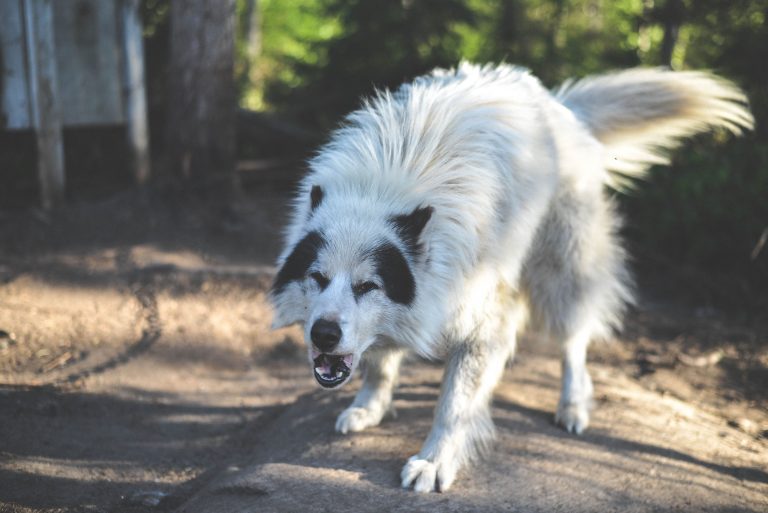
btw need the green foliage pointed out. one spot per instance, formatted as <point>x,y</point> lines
<point>557,38</point>
<point>292,34</point>
<point>359,45</point>
<point>709,210</point>
<point>154,14</point>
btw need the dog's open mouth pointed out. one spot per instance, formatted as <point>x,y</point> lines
<point>331,370</point>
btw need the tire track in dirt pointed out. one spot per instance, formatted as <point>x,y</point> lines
<point>144,293</point>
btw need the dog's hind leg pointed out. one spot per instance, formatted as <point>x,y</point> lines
<point>462,427</point>
<point>577,286</point>
<point>374,399</point>
<point>576,385</point>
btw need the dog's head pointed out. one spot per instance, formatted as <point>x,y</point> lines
<point>348,277</point>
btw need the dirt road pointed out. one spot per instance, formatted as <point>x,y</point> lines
<point>139,374</point>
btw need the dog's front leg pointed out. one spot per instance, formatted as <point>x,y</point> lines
<point>374,399</point>
<point>462,427</point>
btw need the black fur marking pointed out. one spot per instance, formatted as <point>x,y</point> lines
<point>316,196</point>
<point>321,280</point>
<point>396,276</point>
<point>410,226</point>
<point>297,263</point>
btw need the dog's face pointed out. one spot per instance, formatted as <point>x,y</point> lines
<point>348,280</point>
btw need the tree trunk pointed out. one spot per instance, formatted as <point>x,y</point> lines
<point>671,16</point>
<point>248,46</point>
<point>510,39</point>
<point>252,28</point>
<point>200,128</point>
<point>552,55</point>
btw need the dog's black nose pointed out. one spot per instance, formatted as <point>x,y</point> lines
<point>325,335</point>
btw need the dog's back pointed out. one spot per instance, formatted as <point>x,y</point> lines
<point>637,116</point>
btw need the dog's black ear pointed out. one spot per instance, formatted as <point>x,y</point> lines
<point>410,226</point>
<point>316,197</point>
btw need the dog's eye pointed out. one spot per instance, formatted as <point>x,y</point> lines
<point>321,279</point>
<point>363,288</point>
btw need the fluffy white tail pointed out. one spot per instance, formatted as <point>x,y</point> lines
<point>641,113</point>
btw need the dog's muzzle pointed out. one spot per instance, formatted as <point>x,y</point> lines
<point>331,370</point>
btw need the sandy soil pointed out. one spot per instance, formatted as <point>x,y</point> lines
<point>139,373</point>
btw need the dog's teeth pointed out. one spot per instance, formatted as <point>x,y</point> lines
<point>339,374</point>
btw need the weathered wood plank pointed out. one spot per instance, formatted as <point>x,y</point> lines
<point>88,60</point>
<point>134,93</point>
<point>15,113</point>
<point>38,16</point>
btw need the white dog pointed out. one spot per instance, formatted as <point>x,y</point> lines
<point>444,216</point>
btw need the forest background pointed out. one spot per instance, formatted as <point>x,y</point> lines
<point>707,216</point>
<point>697,230</point>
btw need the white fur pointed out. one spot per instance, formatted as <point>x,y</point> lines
<point>664,107</point>
<point>522,228</point>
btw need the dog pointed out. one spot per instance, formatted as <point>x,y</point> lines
<point>444,217</point>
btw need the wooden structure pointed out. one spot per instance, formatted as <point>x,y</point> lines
<point>72,63</point>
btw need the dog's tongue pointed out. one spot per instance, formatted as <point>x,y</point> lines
<point>329,368</point>
<point>323,365</point>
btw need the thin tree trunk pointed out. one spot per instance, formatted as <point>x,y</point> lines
<point>510,39</point>
<point>252,29</point>
<point>200,129</point>
<point>248,45</point>
<point>671,16</point>
<point>551,52</point>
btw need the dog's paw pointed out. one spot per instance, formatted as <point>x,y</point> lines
<point>356,419</point>
<point>428,476</point>
<point>573,417</point>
